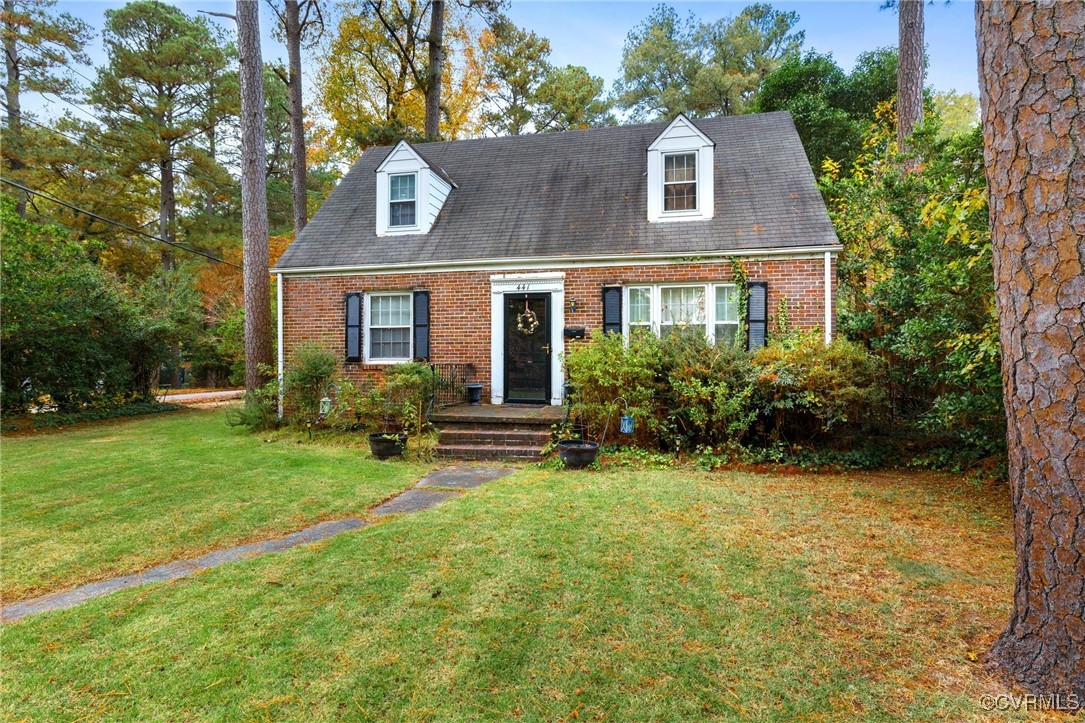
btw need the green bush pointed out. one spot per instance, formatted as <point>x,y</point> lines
<point>604,369</point>
<point>708,393</point>
<point>805,388</point>
<point>74,333</point>
<point>306,380</point>
<point>686,394</point>
<point>398,402</point>
<point>260,411</point>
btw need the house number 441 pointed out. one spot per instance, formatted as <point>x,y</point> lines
<point>523,287</point>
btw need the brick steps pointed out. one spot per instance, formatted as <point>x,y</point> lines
<point>455,435</point>
<point>490,453</point>
<point>494,433</point>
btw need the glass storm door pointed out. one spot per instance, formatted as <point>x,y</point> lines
<point>527,348</point>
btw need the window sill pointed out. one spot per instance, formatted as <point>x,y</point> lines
<point>680,216</point>
<point>400,231</point>
<point>385,362</point>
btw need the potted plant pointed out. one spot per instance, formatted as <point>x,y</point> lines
<point>395,407</point>
<point>577,453</point>
<point>393,421</point>
<point>385,445</point>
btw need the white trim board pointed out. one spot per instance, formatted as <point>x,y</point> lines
<point>552,283</point>
<point>561,262</point>
<point>279,323</point>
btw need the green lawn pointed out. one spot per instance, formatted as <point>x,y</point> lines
<point>115,498</point>
<point>547,595</point>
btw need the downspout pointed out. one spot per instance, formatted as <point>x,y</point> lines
<point>828,297</point>
<point>279,314</point>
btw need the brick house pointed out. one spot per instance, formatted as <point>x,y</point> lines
<point>499,252</point>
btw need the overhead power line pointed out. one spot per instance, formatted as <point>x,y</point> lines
<point>118,224</point>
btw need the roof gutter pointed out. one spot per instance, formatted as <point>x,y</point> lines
<point>628,259</point>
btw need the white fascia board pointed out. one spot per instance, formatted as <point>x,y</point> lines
<point>395,149</point>
<point>565,262</point>
<point>681,120</point>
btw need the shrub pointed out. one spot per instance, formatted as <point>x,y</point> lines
<point>52,420</point>
<point>604,369</point>
<point>687,394</point>
<point>805,388</point>
<point>708,392</point>
<point>260,411</point>
<point>399,401</point>
<point>73,331</point>
<point>681,391</point>
<point>311,371</point>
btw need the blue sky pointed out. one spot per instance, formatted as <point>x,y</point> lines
<point>592,33</point>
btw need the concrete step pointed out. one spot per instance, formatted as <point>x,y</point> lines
<point>456,435</point>
<point>489,452</point>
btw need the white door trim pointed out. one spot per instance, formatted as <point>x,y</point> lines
<point>548,282</point>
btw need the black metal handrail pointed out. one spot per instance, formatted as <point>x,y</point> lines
<point>450,384</point>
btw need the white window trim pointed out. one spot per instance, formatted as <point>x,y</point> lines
<point>663,183</point>
<point>367,338</point>
<point>416,226</point>
<point>655,296</point>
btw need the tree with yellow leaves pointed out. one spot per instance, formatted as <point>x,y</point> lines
<point>368,84</point>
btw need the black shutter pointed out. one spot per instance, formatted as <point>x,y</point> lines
<point>612,309</point>
<point>354,327</point>
<point>421,325</point>
<point>757,314</point>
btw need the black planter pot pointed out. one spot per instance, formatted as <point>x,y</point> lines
<point>474,394</point>
<point>384,446</point>
<point>577,453</point>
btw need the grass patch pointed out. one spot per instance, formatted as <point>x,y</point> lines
<point>547,595</point>
<point>116,498</point>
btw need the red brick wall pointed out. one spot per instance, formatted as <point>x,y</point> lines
<point>313,308</point>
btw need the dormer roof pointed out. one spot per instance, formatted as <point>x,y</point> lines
<point>422,161</point>
<point>677,126</point>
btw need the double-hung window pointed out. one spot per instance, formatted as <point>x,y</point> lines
<point>681,308</point>
<point>708,309</point>
<point>640,308</point>
<point>726,321</point>
<point>388,327</point>
<point>679,182</point>
<point>402,200</point>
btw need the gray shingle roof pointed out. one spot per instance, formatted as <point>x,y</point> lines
<point>576,194</point>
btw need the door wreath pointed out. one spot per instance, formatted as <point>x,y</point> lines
<point>527,323</point>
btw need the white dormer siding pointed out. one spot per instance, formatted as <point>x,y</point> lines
<point>687,153</point>
<point>405,168</point>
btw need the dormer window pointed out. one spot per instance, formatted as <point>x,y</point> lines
<point>679,182</point>
<point>402,195</point>
<point>410,192</point>
<point>681,174</point>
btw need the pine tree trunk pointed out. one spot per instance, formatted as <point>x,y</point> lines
<point>1031,57</point>
<point>167,208</point>
<point>254,222</point>
<point>13,144</point>
<point>297,117</point>
<point>433,70</point>
<point>909,69</point>
<point>212,146</point>
<point>167,211</point>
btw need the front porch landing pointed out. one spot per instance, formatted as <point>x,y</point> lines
<point>527,414</point>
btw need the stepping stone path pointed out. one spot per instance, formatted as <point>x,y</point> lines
<point>432,490</point>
